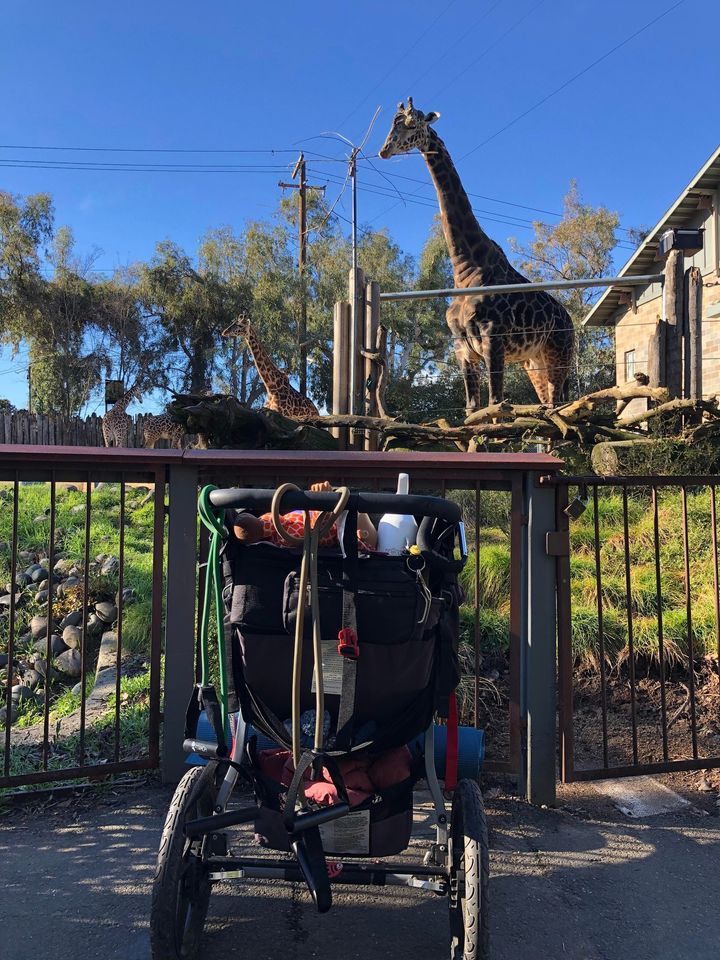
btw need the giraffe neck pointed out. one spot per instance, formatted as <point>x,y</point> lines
<point>122,404</point>
<point>474,256</point>
<point>268,372</point>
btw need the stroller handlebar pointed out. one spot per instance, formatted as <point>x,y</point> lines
<point>417,506</point>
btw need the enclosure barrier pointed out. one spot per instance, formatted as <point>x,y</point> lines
<point>638,624</point>
<point>509,688</point>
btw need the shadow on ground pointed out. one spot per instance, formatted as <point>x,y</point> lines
<point>75,886</point>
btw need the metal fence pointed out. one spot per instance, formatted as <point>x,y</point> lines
<point>112,722</point>
<point>638,625</point>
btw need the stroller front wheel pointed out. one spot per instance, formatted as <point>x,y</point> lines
<point>181,888</point>
<point>469,875</point>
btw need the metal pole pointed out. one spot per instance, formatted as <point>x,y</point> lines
<point>525,287</point>
<point>302,259</point>
<point>354,286</point>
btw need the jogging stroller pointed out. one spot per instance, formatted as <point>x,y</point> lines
<point>331,662</point>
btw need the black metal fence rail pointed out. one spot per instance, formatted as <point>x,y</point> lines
<point>85,738</point>
<point>638,691</point>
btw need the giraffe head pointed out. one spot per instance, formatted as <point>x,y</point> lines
<point>240,327</point>
<point>409,131</point>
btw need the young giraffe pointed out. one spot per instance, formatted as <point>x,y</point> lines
<point>492,329</point>
<point>165,427</point>
<point>116,423</point>
<point>282,397</point>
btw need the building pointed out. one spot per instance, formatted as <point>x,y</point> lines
<point>636,313</point>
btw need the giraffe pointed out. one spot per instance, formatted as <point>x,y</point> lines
<point>282,397</point>
<point>165,427</point>
<point>116,423</point>
<point>531,327</point>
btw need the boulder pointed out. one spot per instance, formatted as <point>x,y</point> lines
<point>110,566</point>
<point>69,663</point>
<point>106,611</point>
<point>20,693</point>
<point>72,636</point>
<point>128,596</point>
<point>6,599</point>
<point>4,714</point>
<point>39,575</point>
<point>95,625</point>
<point>31,678</point>
<point>72,619</point>
<point>63,567</point>
<point>38,627</point>
<point>57,645</point>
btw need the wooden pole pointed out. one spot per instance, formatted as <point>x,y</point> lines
<point>372,319</point>
<point>657,355</point>
<point>356,288</point>
<point>341,367</point>
<point>674,303</point>
<point>693,333</point>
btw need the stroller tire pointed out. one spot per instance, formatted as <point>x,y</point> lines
<point>181,888</point>
<point>469,875</point>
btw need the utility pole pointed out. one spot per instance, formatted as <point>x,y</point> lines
<point>302,186</point>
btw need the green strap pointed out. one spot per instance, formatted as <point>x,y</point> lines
<point>214,521</point>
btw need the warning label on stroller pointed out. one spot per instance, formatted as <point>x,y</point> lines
<point>349,834</point>
<point>332,667</point>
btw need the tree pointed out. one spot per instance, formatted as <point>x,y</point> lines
<point>26,230</point>
<point>580,245</point>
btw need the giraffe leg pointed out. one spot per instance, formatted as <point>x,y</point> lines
<point>538,378</point>
<point>557,363</point>
<point>471,380</point>
<point>494,356</point>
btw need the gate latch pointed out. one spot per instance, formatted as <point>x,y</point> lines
<point>557,543</point>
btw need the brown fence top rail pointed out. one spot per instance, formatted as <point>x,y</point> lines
<point>329,460</point>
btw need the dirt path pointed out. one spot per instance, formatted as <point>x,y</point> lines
<point>582,883</point>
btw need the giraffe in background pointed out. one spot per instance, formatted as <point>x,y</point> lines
<point>116,423</point>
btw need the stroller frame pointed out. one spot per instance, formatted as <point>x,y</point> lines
<point>194,851</point>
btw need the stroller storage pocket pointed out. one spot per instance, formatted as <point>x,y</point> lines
<point>390,606</point>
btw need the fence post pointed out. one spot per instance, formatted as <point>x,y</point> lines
<point>372,319</point>
<point>538,660</point>
<point>179,616</point>
<point>341,367</point>
<point>673,304</point>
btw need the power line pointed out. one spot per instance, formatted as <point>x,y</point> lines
<point>396,63</point>
<point>572,79</point>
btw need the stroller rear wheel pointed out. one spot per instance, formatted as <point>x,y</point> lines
<point>181,888</point>
<point>469,875</point>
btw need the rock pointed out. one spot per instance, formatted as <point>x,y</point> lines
<point>38,627</point>
<point>704,786</point>
<point>31,678</point>
<point>4,660</point>
<point>21,693</point>
<point>106,611</point>
<point>29,571</point>
<point>110,567</point>
<point>78,508</point>
<point>69,663</point>
<point>128,596</point>
<point>77,689</point>
<point>25,555</point>
<point>62,567</point>
<point>40,518</point>
<point>41,667</point>
<point>42,596</point>
<point>39,575</point>
<point>66,586</point>
<point>72,636</point>
<point>71,488</point>
<point>22,580</point>
<point>4,714</point>
<point>6,599</point>
<point>72,619</point>
<point>107,657</point>
<point>95,625</point>
<point>57,645</point>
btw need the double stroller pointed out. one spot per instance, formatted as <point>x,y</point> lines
<point>333,665</point>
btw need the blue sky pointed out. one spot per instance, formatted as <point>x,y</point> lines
<point>239,76</point>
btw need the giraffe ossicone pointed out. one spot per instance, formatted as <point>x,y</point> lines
<point>532,328</point>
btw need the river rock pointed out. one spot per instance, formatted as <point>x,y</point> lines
<point>41,596</point>
<point>72,636</point>
<point>41,667</point>
<point>38,627</point>
<point>110,566</point>
<point>69,663</point>
<point>77,689</point>
<point>39,575</point>
<point>106,611</point>
<point>31,678</point>
<point>22,580</point>
<point>72,619</point>
<point>95,625</point>
<point>20,693</point>
<point>4,714</point>
<point>7,597</point>
<point>4,660</point>
<point>128,596</point>
<point>62,567</point>
<point>78,508</point>
<point>57,645</point>
<point>29,571</point>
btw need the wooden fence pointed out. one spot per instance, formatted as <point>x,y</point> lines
<point>37,428</point>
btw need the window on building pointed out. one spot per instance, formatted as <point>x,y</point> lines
<point>629,365</point>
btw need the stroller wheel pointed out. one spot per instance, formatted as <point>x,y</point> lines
<point>181,888</point>
<point>469,875</point>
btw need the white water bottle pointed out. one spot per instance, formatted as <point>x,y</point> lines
<point>397,531</point>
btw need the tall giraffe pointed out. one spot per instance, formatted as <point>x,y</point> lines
<point>531,327</point>
<point>281,395</point>
<point>116,423</point>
